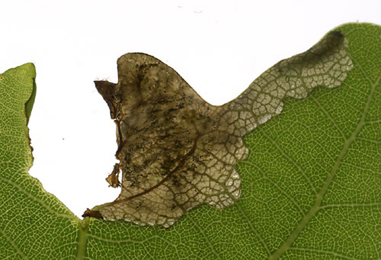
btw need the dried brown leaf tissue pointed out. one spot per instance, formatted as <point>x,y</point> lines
<point>176,151</point>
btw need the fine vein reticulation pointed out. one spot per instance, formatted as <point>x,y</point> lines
<point>176,151</point>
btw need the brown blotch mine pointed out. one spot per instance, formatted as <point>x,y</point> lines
<point>176,151</point>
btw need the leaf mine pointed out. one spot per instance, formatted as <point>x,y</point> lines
<point>176,151</point>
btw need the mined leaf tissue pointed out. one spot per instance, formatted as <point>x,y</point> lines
<point>176,151</point>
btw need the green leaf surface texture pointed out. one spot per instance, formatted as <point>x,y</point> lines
<point>311,186</point>
<point>34,224</point>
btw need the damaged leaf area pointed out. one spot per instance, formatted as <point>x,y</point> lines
<point>176,151</point>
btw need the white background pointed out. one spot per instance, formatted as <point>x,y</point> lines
<point>218,47</point>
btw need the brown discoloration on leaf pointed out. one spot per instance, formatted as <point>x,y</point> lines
<point>113,178</point>
<point>92,214</point>
<point>176,151</point>
<point>165,133</point>
<point>107,90</point>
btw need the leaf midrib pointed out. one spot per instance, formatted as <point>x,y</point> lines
<point>320,195</point>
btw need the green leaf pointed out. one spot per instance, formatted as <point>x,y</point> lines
<point>311,187</point>
<point>34,224</point>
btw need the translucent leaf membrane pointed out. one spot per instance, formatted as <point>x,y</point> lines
<point>176,151</point>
